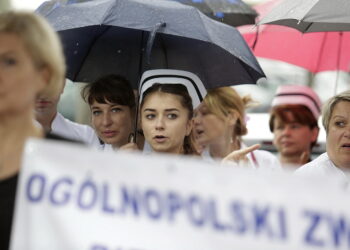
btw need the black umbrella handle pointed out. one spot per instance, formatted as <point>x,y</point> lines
<point>150,40</point>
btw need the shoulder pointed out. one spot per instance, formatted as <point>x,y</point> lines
<point>266,159</point>
<point>265,154</point>
<point>263,159</point>
<point>67,128</point>
<point>56,137</point>
<point>317,166</point>
<point>60,120</point>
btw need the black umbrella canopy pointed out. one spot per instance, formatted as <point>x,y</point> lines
<point>231,12</point>
<point>111,36</point>
<point>311,15</point>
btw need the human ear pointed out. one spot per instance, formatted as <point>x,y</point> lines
<point>189,127</point>
<point>314,134</point>
<point>232,117</point>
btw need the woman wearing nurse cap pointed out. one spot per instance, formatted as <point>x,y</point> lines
<point>167,99</point>
<point>293,121</point>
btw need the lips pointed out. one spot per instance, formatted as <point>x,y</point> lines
<point>42,103</point>
<point>346,145</point>
<point>287,143</point>
<point>199,132</point>
<point>109,134</point>
<point>160,138</point>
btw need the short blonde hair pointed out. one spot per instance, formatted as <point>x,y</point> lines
<point>221,101</point>
<point>328,107</point>
<point>41,42</point>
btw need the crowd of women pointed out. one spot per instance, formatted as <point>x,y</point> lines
<point>173,114</point>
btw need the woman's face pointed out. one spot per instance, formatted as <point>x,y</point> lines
<point>292,138</point>
<point>112,122</point>
<point>20,79</point>
<point>165,122</point>
<point>208,127</point>
<point>338,135</point>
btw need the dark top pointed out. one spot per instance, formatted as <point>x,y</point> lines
<point>7,201</point>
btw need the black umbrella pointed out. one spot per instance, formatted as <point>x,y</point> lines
<point>231,12</point>
<point>130,36</point>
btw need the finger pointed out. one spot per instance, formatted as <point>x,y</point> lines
<point>131,137</point>
<point>241,153</point>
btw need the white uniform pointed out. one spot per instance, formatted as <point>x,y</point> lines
<point>72,130</point>
<point>258,159</point>
<point>107,147</point>
<point>322,166</point>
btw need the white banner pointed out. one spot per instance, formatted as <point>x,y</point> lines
<point>71,197</point>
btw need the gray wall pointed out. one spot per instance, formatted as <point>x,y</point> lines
<point>5,5</point>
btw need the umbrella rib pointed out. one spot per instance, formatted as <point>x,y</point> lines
<point>338,61</point>
<point>256,38</point>
<point>150,40</point>
<point>206,31</point>
<point>164,50</point>
<point>138,96</point>
<point>320,51</point>
<point>307,27</point>
<point>109,12</point>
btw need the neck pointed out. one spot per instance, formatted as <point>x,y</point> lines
<point>291,160</point>
<point>14,130</point>
<point>116,146</point>
<point>45,119</point>
<point>223,146</point>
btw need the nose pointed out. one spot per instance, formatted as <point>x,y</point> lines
<point>197,119</point>
<point>160,125</point>
<point>106,120</point>
<point>286,131</point>
<point>347,132</point>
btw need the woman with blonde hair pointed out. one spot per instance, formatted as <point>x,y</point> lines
<point>219,124</point>
<point>335,163</point>
<point>31,65</point>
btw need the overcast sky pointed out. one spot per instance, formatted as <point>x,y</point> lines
<point>26,4</point>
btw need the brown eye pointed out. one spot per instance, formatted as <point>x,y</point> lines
<point>172,116</point>
<point>340,124</point>
<point>96,112</point>
<point>8,61</point>
<point>150,116</point>
<point>295,126</point>
<point>116,110</point>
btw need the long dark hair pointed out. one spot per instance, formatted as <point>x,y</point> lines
<point>185,100</point>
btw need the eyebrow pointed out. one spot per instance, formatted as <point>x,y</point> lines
<point>7,53</point>
<point>166,110</point>
<point>338,116</point>
<point>94,107</point>
<point>149,110</point>
<point>110,104</point>
<point>171,110</point>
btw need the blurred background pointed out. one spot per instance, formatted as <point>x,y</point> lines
<point>277,72</point>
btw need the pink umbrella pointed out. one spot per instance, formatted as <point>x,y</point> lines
<point>316,52</point>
